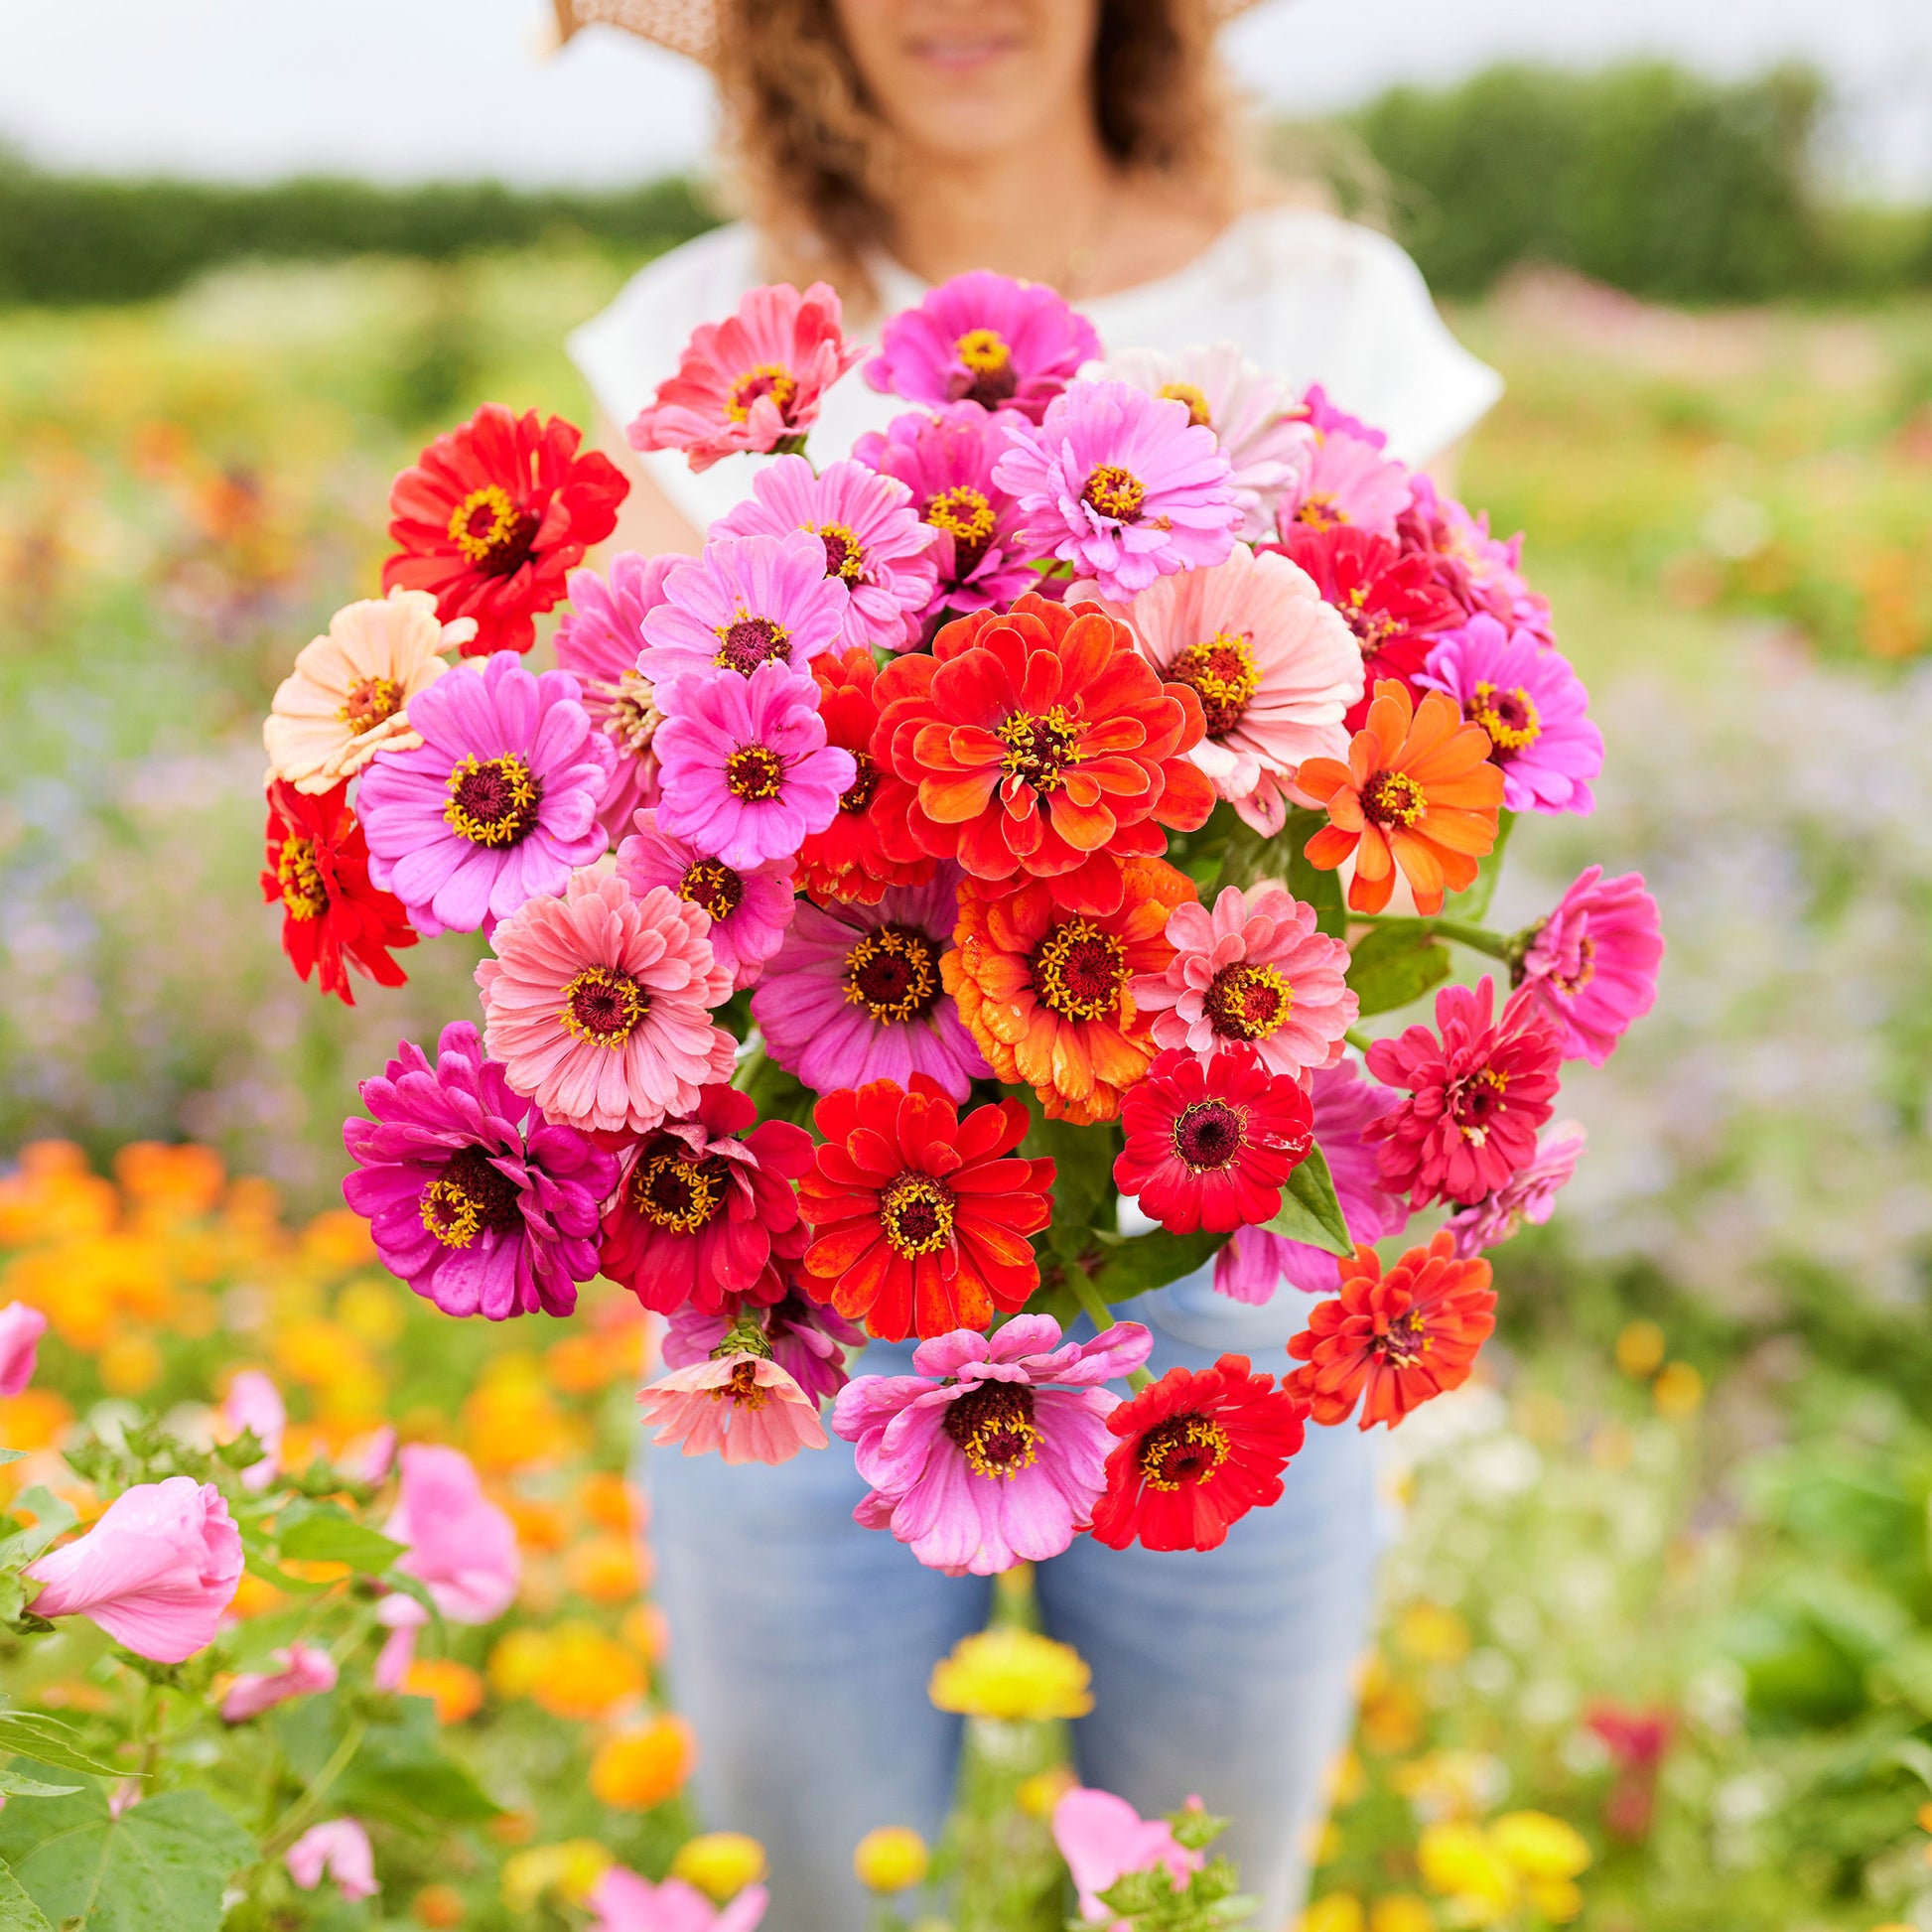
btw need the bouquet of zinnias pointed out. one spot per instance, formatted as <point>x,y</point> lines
<point>946,905</point>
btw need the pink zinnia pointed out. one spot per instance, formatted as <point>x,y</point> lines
<point>747,601</point>
<point>749,909</point>
<point>1276,670</point>
<point>1123,486</point>
<point>1348,481</point>
<point>21,1328</point>
<point>752,381</point>
<point>1530,1194</point>
<point>874,540</point>
<point>1481,572</point>
<point>498,805</point>
<point>1253,972</point>
<point>1254,1261</point>
<point>855,994</point>
<point>598,642</point>
<point>599,1005</point>
<point>1103,1838</point>
<point>984,339</point>
<point>302,1671</point>
<point>746,769</point>
<point>340,1849</point>
<point>624,1902</point>
<point>1533,706</point>
<point>946,461</point>
<point>254,1403</point>
<point>994,1450</point>
<point>744,1406</point>
<point>808,1339</point>
<point>1592,966</point>
<point>460,1547</point>
<point>1477,1096</point>
<point>1319,413</point>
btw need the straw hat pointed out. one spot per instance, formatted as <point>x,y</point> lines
<point>687,26</point>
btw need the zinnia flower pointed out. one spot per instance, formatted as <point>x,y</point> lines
<point>599,1005</point>
<point>1418,792</point>
<point>1103,1838</point>
<point>624,1902</point>
<point>747,601</point>
<point>1254,971</point>
<point>985,339</point>
<point>1529,1194</point>
<point>752,381</point>
<point>1348,481</point>
<point>254,1405</point>
<point>349,691</point>
<point>496,805</point>
<point>1011,1674</point>
<point>1592,965</point>
<point>993,1451</point>
<point>460,1547</point>
<point>492,518</point>
<point>1048,993</point>
<point>301,1671</point>
<point>748,910</point>
<point>945,458</point>
<point>473,1198</point>
<point>1274,669</point>
<point>1210,1144</point>
<point>597,641</point>
<point>1533,707</point>
<point>1123,486</point>
<point>808,1339</point>
<point>1481,572</point>
<point>1198,1450</point>
<point>1477,1096</point>
<point>1394,1340</point>
<point>1043,747</point>
<point>338,1849</point>
<point>21,1328</point>
<point>156,1571</point>
<point>746,769</point>
<point>920,1219</point>
<point>333,918</point>
<point>855,994</point>
<point>744,1406</point>
<point>705,1202</point>
<point>874,541</point>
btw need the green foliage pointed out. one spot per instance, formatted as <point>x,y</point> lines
<point>1208,1900</point>
<point>321,1533</point>
<point>1395,963</point>
<point>18,1912</point>
<point>44,1739</point>
<point>1309,1211</point>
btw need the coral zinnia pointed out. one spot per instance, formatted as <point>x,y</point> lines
<point>333,918</point>
<point>1198,1450</point>
<point>1418,792</point>
<point>473,1198</point>
<point>752,381</point>
<point>920,1219</point>
<point>1477,1096</point>
<point>1043,747</point>
<point>493,515</point>
<point>703,1204</point>
<point>749,909</point>
<point>599,1005</point>
<point>1394,1340</point>
<point>1210,1144</point>
<point>743,1405</point>
<point>1592,965</point>
<point>1048,992</point>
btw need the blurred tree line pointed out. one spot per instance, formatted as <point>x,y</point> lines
<point>1644,175</point>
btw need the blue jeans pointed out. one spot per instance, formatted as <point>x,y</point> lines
<point>801,1645</point>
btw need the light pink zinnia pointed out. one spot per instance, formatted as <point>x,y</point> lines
<point>156,1570</point>
<point>1123,486</point>
<point>752,381</point>
<point>1275,667</point>
<point>748,910</point>
<point>254,1403</point>
<point>1529,1194</point>
<point>1593,965</point>
<point>304,1671</point>
<point>1103,1838</point>
<point>874,541</point>
<point>1348,481</point>
<point>598,1004</point>
<point>460,1547</point>
<point>746,768</point>
<point>808,1339</point>
<point>624,1902</point>
<point>340,1849</point>
<point>994,1450</point>
<point>744,1406</point>
<point>21,1328</point>
<point>1253,972</point>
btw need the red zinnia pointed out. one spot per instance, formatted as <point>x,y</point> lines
<point>492,518</point>
<point>1210,1143</point>
<point>1477,1096</point>
<point>918,1218</point>
<point>866,847</point>
<point>1198,1450</point>
<point>1044,747</point>
<point>319,868</point>
<point>1401,1337</point>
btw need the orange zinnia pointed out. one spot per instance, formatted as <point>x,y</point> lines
<point>1044,989</point>
<point>1418,791</point>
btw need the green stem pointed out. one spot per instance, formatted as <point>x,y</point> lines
<point>1102,1317</point>
<point>295,1819</point>
<point>1358,1040</point>
<point>750,1068</point>
<point>1477,938</point>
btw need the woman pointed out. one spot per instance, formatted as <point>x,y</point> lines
<point>885,145</point>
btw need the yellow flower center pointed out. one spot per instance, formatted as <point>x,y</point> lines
<point>1079,970</point>
<point>1182,1449</point>
<point>1115,492</point>
<point>746,643</point>
<point>493,801</point>
<point>744,1390</point>
<point>677,1194</point>
<point>491,532</point>
<point>916,1212</point>
<point>1320,511</point>
<point>1509,717</point>
<point>983,351</point>
<point>603,1007</point>
<point>469,1198</point>
<point>894,973</point>
<point>963,513</point>
<point>712,884</point>
<point>754,773</point>
<point>1039,747</point>
<point>1247,1002</point>
<point>994,1425</point>
<point>370,702</point>
<point>772,379</point>
<point>1192,398</point>
<point>1406,1340</point>
<point>844,558</point>
<point>1223,675</point>
<point>303,892</point>
<point>1472,1104</point>
<point>1392,798</point>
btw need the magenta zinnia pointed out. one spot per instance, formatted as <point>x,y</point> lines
<point>1592,965</point>
<point>750,908</point>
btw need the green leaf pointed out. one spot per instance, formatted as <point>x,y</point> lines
<point>1394,964</point>
<point>776,1094</point>
<point>13,1785</point>
<point>1321,890</point>
<point>160,1866</point>
<point>32,1734</point>
<point>403,1773</point>
<point>1135,1263</point>
<point>1083,1165</point>
<point>18,1912</point>
<point>51,1518</point>
<point>11,1455</point>
<point>1472,905</point>
<point>1309,1211</point>
<point>322,1533</point>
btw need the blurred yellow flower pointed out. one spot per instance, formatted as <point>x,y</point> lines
<point>1339,1911</point>
<point>1401,1911</point>
<point>570,1870</point>
<point>455,1688</point>
<point>1345,1780</point>
<point>609,1502</point>
<point>1640,1350</point>
<point>1677,1391</point>
<point>317,1354</point>
<point>170,1183</point>
<point>53,1195</point>
<point>372,1312</point>
<point>643,1628</point>
<point>130,1364</point>
<point>891,1859</point>
<point>1524,1855</point>
<point>586,1674</point>
<point>339,1239</point>
<point>1432,1634</point>
<point>1038,1794</point>
<point>1459,1860</point>
<point>510,1420</point>
<point>34,1419</point>
<point>606,1568</point>
<point>638,1769</point>
<point>540,1525</point>
<point>719,1864</point>
<point>518,1662</point>
<point>254,1596</point>
<point>1391,1712</point>
<point>1539,1846</point>
<point>1450,1784</point>
<point>1014,1673</point>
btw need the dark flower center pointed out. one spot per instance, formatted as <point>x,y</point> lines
<point>1372,629</point>
<point>1404,1340</point>
<point>1222,675</point>
<point>967,517</point>
<point>1079,970</point>
<point>1182,1449</point>
<point>747,642</point>
<point>489,530</point>
<point>1039,747</point>
<point>1115,492</point>
<point>677,1194</point>
<point>712,884</point>
<point>303,890</point>
<point>470,1197</point>
<point>845,556</point>
<point>1320,511</point>
<point>1509,717</point>
<point>988,358</point>
<point>857,794</point>
<point>772,379</point>
<point>493,801</point>
<point>754,773</point>
<point>916,1212</point>
<point>1209,1134</point>
<point>894,973</point>
<point>371,702</point>
<point>603,1007</point>
<point>744,1390</point>
<point>993,1423</point>
<point>1392,798</point>
<point>1247,1002</point>
<point>1473,1103</point>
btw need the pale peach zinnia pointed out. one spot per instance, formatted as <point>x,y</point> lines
<point>744,1406</point>
<point>349,695</point>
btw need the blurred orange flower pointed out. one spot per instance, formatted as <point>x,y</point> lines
<point>638,1769</point>
<point>455,1688</point>
<point>586,1674</point>
<point>608,1568</point>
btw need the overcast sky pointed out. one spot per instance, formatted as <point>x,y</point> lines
<point>408,89</point>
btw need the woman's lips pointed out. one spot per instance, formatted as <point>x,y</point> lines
<point>961,55</point>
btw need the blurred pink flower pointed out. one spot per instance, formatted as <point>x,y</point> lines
<point>304,1672</point>
<point>462,1546</point>
<point>624,1902</point>
<point>744,1406</point>
<point>21,1328</point>
<point>1103,1838</point>
<point>339,1850</point>
<point>402,1616</point>
<point>255,1403</point>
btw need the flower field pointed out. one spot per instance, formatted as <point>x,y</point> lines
<point>1656,1649</point>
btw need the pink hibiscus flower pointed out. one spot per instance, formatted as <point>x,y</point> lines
<point>336,1848</point>
<point>624,1902</point>
<point>460,1547</point>
<point>748,910</point>
<point>1592,966</point>
<point>743,1406</point>
<point>1103,1838</point>
<point>21,1328</point>
<point>301,1671</point>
